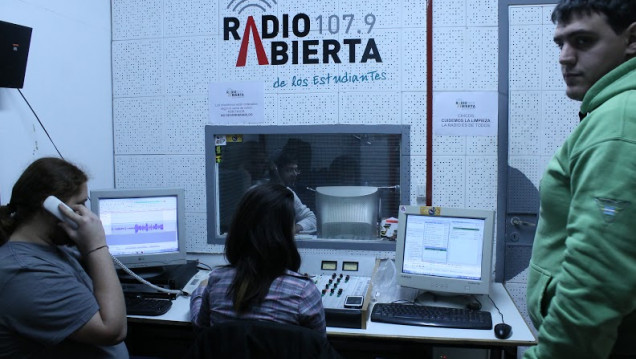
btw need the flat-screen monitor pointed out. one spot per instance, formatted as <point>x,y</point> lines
<point>446,251</point>
<point>350,176</point>
<point>144,227</point>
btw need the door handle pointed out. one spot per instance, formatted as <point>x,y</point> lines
<point>516,221</point>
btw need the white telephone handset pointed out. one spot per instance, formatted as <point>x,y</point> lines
<point>51,204</point>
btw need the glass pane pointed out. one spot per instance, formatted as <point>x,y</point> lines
<point>350,181</point>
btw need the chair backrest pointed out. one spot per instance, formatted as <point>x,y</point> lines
<point>259,339</point>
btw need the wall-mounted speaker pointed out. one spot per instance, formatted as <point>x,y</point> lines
<point>14,51</point>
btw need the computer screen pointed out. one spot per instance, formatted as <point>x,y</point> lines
<point>444,250</point>
<point>144,227</point>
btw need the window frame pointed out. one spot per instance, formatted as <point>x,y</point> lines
<point>212,184</point>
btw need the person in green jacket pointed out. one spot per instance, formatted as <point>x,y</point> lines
<point>582,277</point>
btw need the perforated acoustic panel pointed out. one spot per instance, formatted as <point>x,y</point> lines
<point>193,17</point>
<point>381,108</point>
<point>414,114</point>
<point>481,173</point>
<point>167,52</point>
<point>481,13</point>
<point>136,19</point>
<point>137,68</point>
<point>293,109</point>
<point>413,53</point>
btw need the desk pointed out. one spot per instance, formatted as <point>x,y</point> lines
<point>169,335</point>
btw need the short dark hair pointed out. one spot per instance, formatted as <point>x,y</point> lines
<point>260,243</point>
<point>620,13</point>
<point>44,177</point>
<point>285,158</point>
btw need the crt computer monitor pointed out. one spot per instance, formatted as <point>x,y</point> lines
<point>446,251</point>
<point>144,227</point>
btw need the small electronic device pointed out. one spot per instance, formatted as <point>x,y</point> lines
<point>447,251</point>
<point>51,204</point>
<point>503,331</point>
<point>354,301</point>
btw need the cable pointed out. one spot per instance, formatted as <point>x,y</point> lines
<point>134,275</point>
<point>41,125</point>
<point>493,303</point>
<point>205,266</point>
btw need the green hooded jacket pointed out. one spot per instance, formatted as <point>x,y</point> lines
<point>582,276</point>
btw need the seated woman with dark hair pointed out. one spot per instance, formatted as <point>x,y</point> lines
<point>261,281</point>
<point>61,297</point>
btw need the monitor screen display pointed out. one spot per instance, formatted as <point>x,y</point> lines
<point>143,227</point>
<point>447,247</point>
<point>445,250</point>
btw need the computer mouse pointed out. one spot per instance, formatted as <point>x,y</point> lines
<point>503,331</point>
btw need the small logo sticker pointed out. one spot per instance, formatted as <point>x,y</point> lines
<point>430,211</point>
<point>610,208</point>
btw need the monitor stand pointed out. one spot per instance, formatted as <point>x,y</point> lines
<point>147,273</point>
<point>443,299</point>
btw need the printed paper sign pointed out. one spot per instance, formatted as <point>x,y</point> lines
<point>465,114</point>
<point>233,103</point>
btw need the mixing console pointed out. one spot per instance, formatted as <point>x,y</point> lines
<point>339,277</point>
<point>337,286</point>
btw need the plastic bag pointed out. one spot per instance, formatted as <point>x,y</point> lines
<point>384,283</point>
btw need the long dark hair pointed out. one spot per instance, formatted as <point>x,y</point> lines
<point>44,177</point>
<point>260,243</point>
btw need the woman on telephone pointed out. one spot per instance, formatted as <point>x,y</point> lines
<point>61,297</point>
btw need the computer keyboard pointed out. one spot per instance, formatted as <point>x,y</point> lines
<point>140,305</point>
<point>412,314</point>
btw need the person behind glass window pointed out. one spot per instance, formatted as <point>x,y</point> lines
<point>286,172</point>
<point>261,281</point>
<point>61,297</point>
<point>287,168</point>
<point>582,276</point>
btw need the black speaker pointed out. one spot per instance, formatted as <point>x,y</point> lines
<point>14,51</point>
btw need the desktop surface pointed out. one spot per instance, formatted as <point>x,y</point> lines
<point>170,334</point>
<point>179,315</point>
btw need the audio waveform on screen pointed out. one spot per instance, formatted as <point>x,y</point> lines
<point>145,227</point>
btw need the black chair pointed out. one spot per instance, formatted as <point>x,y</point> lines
<point>259,339</point>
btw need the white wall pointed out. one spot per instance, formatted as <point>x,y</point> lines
<point>68,84</point>
<point>165,54</point>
